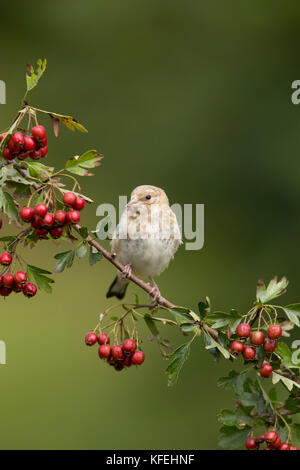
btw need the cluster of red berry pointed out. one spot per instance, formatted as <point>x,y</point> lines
<point>22,146</point>
<point>44,222</point>
<point>272,439</point>
<point>14,282</point>
<point>257,338</point>
<point>119,356</point>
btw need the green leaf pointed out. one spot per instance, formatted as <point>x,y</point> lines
<point>177,359</point>
<point>204,308</point>
<point>292,312</point>
<point>70,122</point>
<point>33,76</point>
<point>234,381</point>
<point>37,276</point>
<point>295,428</point>
<point>81,251</point>
<point>275,289</point>
<point>238,418</point>
<point>151,325</point>
<point>288,383</point>
<point>65,260</point>
<point>8,205</point>
<point>181,315</point>
<point>39,170</point>
<point>286,354</point>
<point>94,256</point>
<point>81,165</point>
<point>215,344</point>
<point>84,232</point>
<point>231,437</point>
<point>292,404</point>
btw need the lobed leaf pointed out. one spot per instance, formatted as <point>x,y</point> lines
<point>37,275</point>
<point>177,360</point>
<point>33,76</point>
<point>65,260</point>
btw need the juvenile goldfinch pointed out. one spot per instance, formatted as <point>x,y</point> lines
<point>146,238</point>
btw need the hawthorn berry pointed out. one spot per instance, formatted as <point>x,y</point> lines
<point>79,203</point>
<point>26,214</point>
<point>5,259</point>
<point>127,361</point>
<point>284,446</point>
<point>129,346</point>
<point>36,154</point>
<point>17,287</point>
<point>2,136</point>
<point>60,217</point>
<point>7,154</point>
<point>243,330</point>
<point>48,220</point>
<point>41,210</point>
<point>18,139</point>
<point>257,338</point>
<point>20,277</point>
<point>117,353</point>
<point>44,151</point>
<point>260,439</point>
<point>36,222</point>
<point>23,155</point>
<point>29,144</point>
<point>91,338</point>
<point>30,289</point>
<point>119,366</point>
<point>269,345</point>
<point>73,216</point>
<point>8,280</point>
<point>266,370</point>
<point>41,232</point>
<point>276,444</point>
<point>251,444</point>
<point>5,291</point>
<point>249,353</point>
<point>103,339</point>
<point>56,232</point>
<point>237,347</point>
<point>12,146</point>
<point>271,437</point>
<point>104,351</point>
<point>1,280</point>
<point>69,199</point>
<point>137,358</point>
<point>274,331</point>
<point>38,132</point>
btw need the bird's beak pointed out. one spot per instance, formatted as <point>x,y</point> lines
<point>132,201</point>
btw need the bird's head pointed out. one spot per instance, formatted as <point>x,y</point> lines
<point>147,194</point>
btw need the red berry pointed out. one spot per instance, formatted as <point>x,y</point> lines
<point>36,154</point>
<point>20,277</point>
<point>284,446</point>
<point>119,366</point>
<point>56,232</point>
<point>243,330</point>
<point>36,221</point>
<point>17,288</point>
<point>137,358</point>
<point>26,214</point>
<point>127,361</point>
<point>1,223</point>
<point>73,217</point>
<point>70,199</point>
<point>23,155</point>
<point>237,347</point>
<point>29,290</point>
<point>269,345</point>
<point>129,346</point>
<point>104,351</point>
<point>48,220</point>
<point>251,444</point>
<point>271,437</point>
<point>2,136</point>
<point>91,338</point>
<point>260,439</point>
<point>18,139</point>
<point>276,444</point>
<point>294,448</point>
<point>79,203</point>
<point>60,217</point>
<point>12,146</point>
<point>103,339</point>
<point>38,132</point>
<point>44,151</point>
<point>5,259</point>
<point>266,370</point>
<point>5,291</point>
<point>249,353</point>
<point>274,331</point>
<point>117,353</point>
<point>8,280</point>
<point>1,280</point>
<point>41,210</point>
<point>41,232</point>
<point>257,338</point>
<point>29,144</point>
<point>7,154</point>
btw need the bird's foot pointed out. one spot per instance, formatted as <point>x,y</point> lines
<point>155,292</point>
<point>126,272</point>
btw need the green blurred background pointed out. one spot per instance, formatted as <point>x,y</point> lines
<point>191,96</point>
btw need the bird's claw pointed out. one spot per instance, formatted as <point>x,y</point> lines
<point>126,272</point>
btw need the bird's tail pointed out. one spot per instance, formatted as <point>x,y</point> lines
<point>118,287</point>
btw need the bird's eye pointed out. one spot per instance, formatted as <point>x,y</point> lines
<point>148,197</point>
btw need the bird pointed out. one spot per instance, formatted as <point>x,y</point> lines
<point>146,239</point>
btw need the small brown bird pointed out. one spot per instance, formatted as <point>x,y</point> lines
<point>146,238</point>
